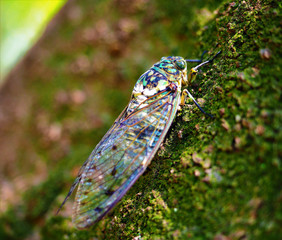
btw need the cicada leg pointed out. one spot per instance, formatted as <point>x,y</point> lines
<point>184,95</point>
<point>192,75</point>
<point>197,60</point>
<point>194,70</point>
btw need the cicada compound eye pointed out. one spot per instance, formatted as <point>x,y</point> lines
<point>181,64</point>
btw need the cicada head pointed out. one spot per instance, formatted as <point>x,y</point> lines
<point>175,68</point>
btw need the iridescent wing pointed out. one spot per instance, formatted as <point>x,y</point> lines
<point>129,146</point>
<point>121,157</point>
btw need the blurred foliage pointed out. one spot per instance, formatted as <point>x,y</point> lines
<point>22,23</point>
<point>212,179</point>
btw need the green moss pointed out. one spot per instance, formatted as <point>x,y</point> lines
<point>214,177</point>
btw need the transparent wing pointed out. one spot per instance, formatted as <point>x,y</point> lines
<point>122,156</point>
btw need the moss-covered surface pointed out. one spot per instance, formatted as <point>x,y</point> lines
<point>213,178</point>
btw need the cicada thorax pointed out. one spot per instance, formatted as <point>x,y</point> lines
<point>161,79</point>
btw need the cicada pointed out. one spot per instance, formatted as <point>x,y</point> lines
<point>126,150</point>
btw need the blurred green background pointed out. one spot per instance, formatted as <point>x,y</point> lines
<point>22,23</point>
<point>217,179</point>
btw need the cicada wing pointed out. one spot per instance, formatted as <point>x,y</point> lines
<point>122,156</point>
<point>81,170</point>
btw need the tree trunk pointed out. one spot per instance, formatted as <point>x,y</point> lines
<point>213,178</point>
